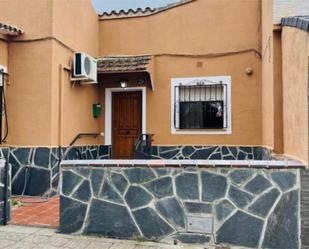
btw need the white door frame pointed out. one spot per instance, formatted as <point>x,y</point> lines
<point>108,110</point>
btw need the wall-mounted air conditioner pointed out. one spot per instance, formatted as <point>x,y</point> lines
<point>84,68</point>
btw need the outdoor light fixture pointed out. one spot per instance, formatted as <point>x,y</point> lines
<point>123,84</point>
<point>140,82</point>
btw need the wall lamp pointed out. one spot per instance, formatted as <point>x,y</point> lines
<point>123,84</point>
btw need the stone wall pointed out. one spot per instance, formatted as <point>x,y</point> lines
<point>256,208</point>
<point>40,166</point>
<point>5,178</point>
<point>305,208</point>
<point>211,152</point>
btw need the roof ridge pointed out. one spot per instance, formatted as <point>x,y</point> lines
<point>128,11</point>
<point>141,11</point>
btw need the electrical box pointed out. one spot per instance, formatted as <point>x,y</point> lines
<point>96,110</point>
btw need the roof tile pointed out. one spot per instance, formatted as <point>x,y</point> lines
<point>114,64</point>
<point>300,22</point>
<point>141,12</point>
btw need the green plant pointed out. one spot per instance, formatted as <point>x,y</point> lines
<point>16,203</point>
<point>140,239</point>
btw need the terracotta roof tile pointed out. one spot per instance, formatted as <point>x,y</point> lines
<point>300,22</point>
<point>10,29</point>
<point>123,64</point>
<point>141,12</point>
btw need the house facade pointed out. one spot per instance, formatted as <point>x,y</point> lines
<point>253,105</point>
<point>206,80</point>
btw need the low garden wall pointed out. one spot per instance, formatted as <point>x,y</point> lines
<point>41,164</point>
<point>244,203</point>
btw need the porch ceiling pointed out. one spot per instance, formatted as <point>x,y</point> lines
<point>127,64</point>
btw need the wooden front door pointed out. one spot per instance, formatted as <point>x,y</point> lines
<point>126,122</point>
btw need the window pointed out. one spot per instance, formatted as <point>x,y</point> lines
<point>201,105</point>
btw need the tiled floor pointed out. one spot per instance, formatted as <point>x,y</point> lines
<point>37,213</point>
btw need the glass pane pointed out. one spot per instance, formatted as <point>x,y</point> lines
<point>191,115</point>
<point>213,114</point>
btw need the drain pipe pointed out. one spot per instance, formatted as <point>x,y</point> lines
<point>62,68</point>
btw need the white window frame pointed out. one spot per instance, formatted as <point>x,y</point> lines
<point>227,80</point>
<point>108,110</point>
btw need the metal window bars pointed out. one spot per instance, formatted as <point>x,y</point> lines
<point>200,106</point>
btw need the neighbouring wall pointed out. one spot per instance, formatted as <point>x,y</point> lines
<point>35,58</point>
<point>242,207</point>
<point>295,92</point>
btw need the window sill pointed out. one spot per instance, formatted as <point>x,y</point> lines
<point>227,131</point>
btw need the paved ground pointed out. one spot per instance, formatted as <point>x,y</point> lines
<point>15,237</point>
<point>37,211</point>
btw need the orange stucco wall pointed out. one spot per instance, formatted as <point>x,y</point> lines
<point>29,93</point>
<point>34,17</point>
<point>80,34</point>
<point>52,33</point>
<point>46,109</point>
<point>214,27</point>
<point>295,92</point>
<point>3,53</point>
<point>178,42</point>
<point>267,73</point>
<point>75,103</point>
<point>278,94</point>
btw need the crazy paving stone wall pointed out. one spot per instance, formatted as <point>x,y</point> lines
<point>210,152</point>
<point>5,179</point>
<point>35,171</point>
<point>256,208</point>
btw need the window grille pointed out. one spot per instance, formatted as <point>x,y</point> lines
<point>200,106</point>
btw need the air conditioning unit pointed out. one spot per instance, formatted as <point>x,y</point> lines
<point>84,68</point>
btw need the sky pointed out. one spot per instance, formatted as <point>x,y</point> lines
<point>108,5</point>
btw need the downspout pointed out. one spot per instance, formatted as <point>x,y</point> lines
<point>60,106</point>
<point>62,67</point>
